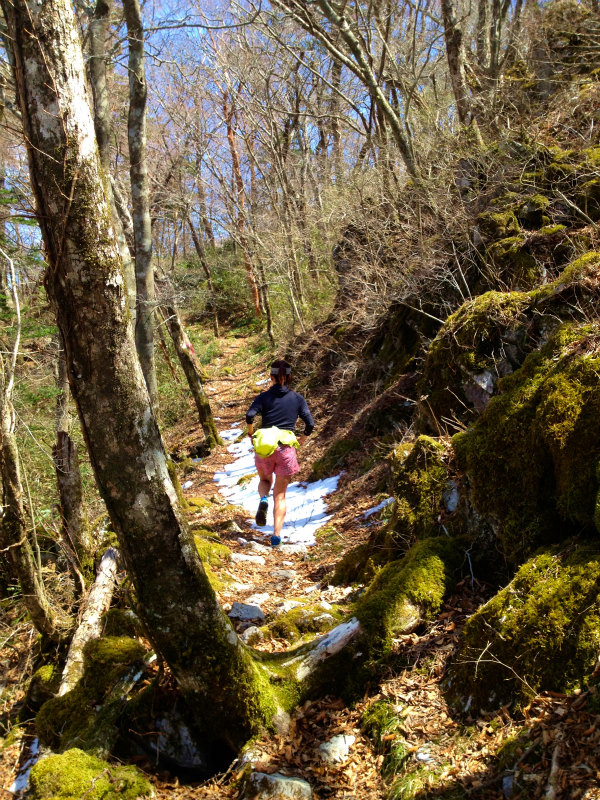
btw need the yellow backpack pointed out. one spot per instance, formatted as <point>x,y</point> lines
<point>266,440</point>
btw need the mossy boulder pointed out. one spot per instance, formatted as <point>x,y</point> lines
<point>490,336</point>
<point>496,225</point>
<point>304,621</point>
<point>514,264</point>
<point>86,716</point>
<point>407,591</point>
<point>74,775</point>
<point>540,633</point>
<point>532,457</point>
<point>419,479</point>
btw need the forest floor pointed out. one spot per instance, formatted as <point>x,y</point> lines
<point>550,751</point>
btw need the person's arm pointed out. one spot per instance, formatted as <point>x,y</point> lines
<point>306,418</point>
<point>251,413</point>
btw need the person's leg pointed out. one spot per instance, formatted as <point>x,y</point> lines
<point>264,484</point>
<point>264,487</point>
<point>279,490</point>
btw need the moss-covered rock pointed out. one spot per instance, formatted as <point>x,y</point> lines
<point>74,775</point>
<point>302,621</point>
<point>542,632</point>
<point>408,591</point>
<point>514,264</point>
<point>121,622</point>
<point>419,481</point>
<point>490,336</point>
<point>86,716</point>
<point>532,457</point>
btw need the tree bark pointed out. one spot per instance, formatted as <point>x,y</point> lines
<point>90,627</point>
<point>140,197</point>
<point>239,186</point>
<point>189,363</point>
<point>84,281</point>
<point>75,528</point>
<point>98,31</point>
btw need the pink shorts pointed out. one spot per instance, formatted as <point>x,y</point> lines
<point>283,461</point>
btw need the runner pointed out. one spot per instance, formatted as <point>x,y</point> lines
<point>275,443</point>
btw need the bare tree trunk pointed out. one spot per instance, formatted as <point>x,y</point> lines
<point>140,196</point>
<point>456,66</point>
<point>75,528</point>
<point>189,363</point>
<point>239,185</point>
<point>98,30</point>
<point>199,248</point>
<point>223,686</point>
<point>206,226</point>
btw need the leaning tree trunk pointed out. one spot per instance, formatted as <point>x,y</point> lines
<point>84,280</point>
<point>140,197</point>
<point>189,363</point>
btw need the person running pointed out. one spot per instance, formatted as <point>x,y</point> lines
<point>279,408</point>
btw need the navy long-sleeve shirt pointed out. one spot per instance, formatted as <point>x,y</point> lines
<point>280,407</point>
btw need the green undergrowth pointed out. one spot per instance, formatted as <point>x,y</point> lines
<point>74,775</point>
<point>539,633</point>
<point>383,724</point>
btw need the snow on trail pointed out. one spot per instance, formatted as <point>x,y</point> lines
<point>306,507</point>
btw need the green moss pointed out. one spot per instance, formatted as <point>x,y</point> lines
<point>83,717</point>
<point>472,340</point>
<point>418,480</point>
<point>172,470</point>
<point>542,632</point>
<point>303,621</point>
<point>199,503</point>
<point>43,685</point>
<point>498,224</point>
<point>334,458</point>
<point>121,622</point>
<point>408,590</point>
<point>545,417</point>
<point>514,263</point>
<point>75,775</point>
<point>209,550</point>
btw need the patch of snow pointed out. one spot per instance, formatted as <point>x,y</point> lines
<point>187,485</point>
<point>306,508</point>
<point>378,507</point>
<point>21,782</point>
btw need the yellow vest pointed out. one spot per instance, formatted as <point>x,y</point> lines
<point>266,440</point>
